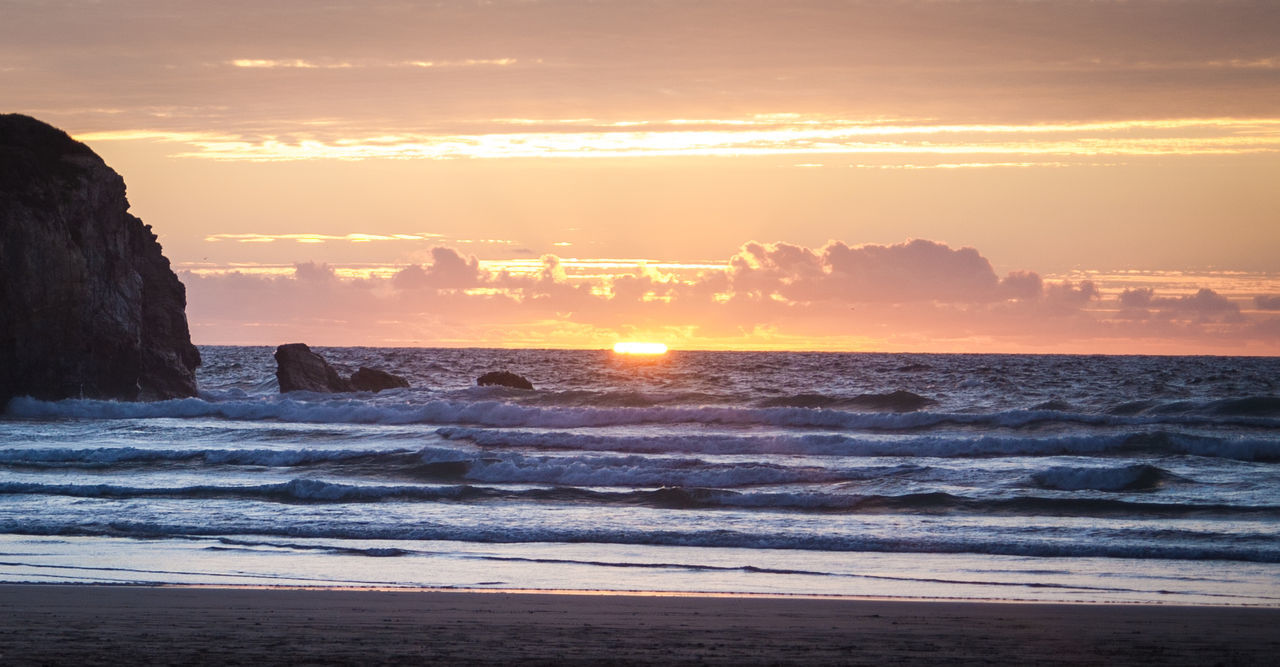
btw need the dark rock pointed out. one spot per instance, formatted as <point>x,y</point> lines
<point>89,306</point>
<point>300,369</point>
<point>505,379</point>
<point>372,379</point>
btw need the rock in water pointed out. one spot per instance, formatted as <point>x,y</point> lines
<point>505,379</point>
<point>89,307</point>
<point>372,379</point>
<point>300,369</point>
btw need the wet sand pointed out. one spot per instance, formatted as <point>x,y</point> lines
<point>79,624</point>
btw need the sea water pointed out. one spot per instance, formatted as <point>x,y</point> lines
<point>1007,477</point>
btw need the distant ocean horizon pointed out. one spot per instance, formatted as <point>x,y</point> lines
<point>1080,478</point>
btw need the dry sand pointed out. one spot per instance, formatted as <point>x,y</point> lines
<point>75,624</point>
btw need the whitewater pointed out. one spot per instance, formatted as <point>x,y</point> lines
<point>995,477</point>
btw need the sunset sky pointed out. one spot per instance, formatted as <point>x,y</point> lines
<point>935,176</point>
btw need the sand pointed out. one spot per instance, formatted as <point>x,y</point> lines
<point>78,624</point>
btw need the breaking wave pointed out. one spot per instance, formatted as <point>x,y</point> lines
<point>897,401</point>
<point>320,491</point>
<point>494,413</point>
<point>1137,477</point>
<point>1258,550</point>
<point>939,446</point>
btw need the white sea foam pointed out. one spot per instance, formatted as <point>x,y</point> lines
<point>324,408</point>
<point>601,471</point>
<point>670,536</point>
<point>942,446</point>
<point>125,455</point>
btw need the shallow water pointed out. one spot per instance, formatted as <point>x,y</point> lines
<point>974,476</point>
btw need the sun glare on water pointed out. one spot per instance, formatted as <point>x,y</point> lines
<point>639,348</point>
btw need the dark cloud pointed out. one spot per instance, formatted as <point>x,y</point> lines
<point>1070,295</point>
<point>1205,305</point>
<point>448,270</point>
<point>1267,301</point>
<point>1137,297</point>
<point>1022,285</point>
<point>917,270</point>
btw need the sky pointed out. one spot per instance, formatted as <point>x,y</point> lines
<point>914,175</point>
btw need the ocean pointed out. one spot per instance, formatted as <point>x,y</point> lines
<point>985,477</point>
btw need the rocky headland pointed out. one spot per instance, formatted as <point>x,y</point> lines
<point>89,307</point>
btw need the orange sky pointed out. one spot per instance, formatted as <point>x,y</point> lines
<point>925,176</point>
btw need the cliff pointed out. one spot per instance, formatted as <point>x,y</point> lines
<point>89,306</point>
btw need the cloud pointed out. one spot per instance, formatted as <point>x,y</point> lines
<point>1137,297</point>
<point>311,272</point>
<point>469,62</point>
<point>1067,294</point>
<point>1030,62</point>
<point>919,294</point>
<point>892,144</point>
<point>292,63</point>
<point>448,269</point>
<point>301,63</point>
<point>1022,285</point>
<point>1267,301</point>
<point>916,270</point>
<point>1205,305</point>
<point>319,238</point>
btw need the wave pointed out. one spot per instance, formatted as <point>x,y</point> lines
<point>1129,408</point>
<point>384,552</point>
<point>939,446</point>
<point>393,410</point>
<point>511,457</point>
<point>1262,550</point>
<point>897,401</point>
<point>444,464</point>
<point>611,399</point>
<point>1138,477</point>
<point>679,498</point>
<point>634,470</point>
<point>1252,406</point>
<point>229,544</point>
<point>1245,406</point>
<point>115,456</point>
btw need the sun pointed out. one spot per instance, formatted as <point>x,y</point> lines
<point>639,348</point>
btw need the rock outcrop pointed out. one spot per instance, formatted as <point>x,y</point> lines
<point>372,379</point>
<point>300,369</point>
<point>505,379</point>
<point>89,307</point>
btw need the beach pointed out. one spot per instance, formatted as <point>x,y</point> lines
<point>85,624</point>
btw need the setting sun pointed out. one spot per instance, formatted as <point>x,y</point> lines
<point>640,348</point>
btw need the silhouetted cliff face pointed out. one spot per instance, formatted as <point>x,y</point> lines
<point>88,305</point>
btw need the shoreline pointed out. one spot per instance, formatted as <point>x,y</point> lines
<point>623,593</point>
<point>87,623</point>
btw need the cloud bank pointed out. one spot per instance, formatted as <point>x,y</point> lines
<point>918,295</point>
